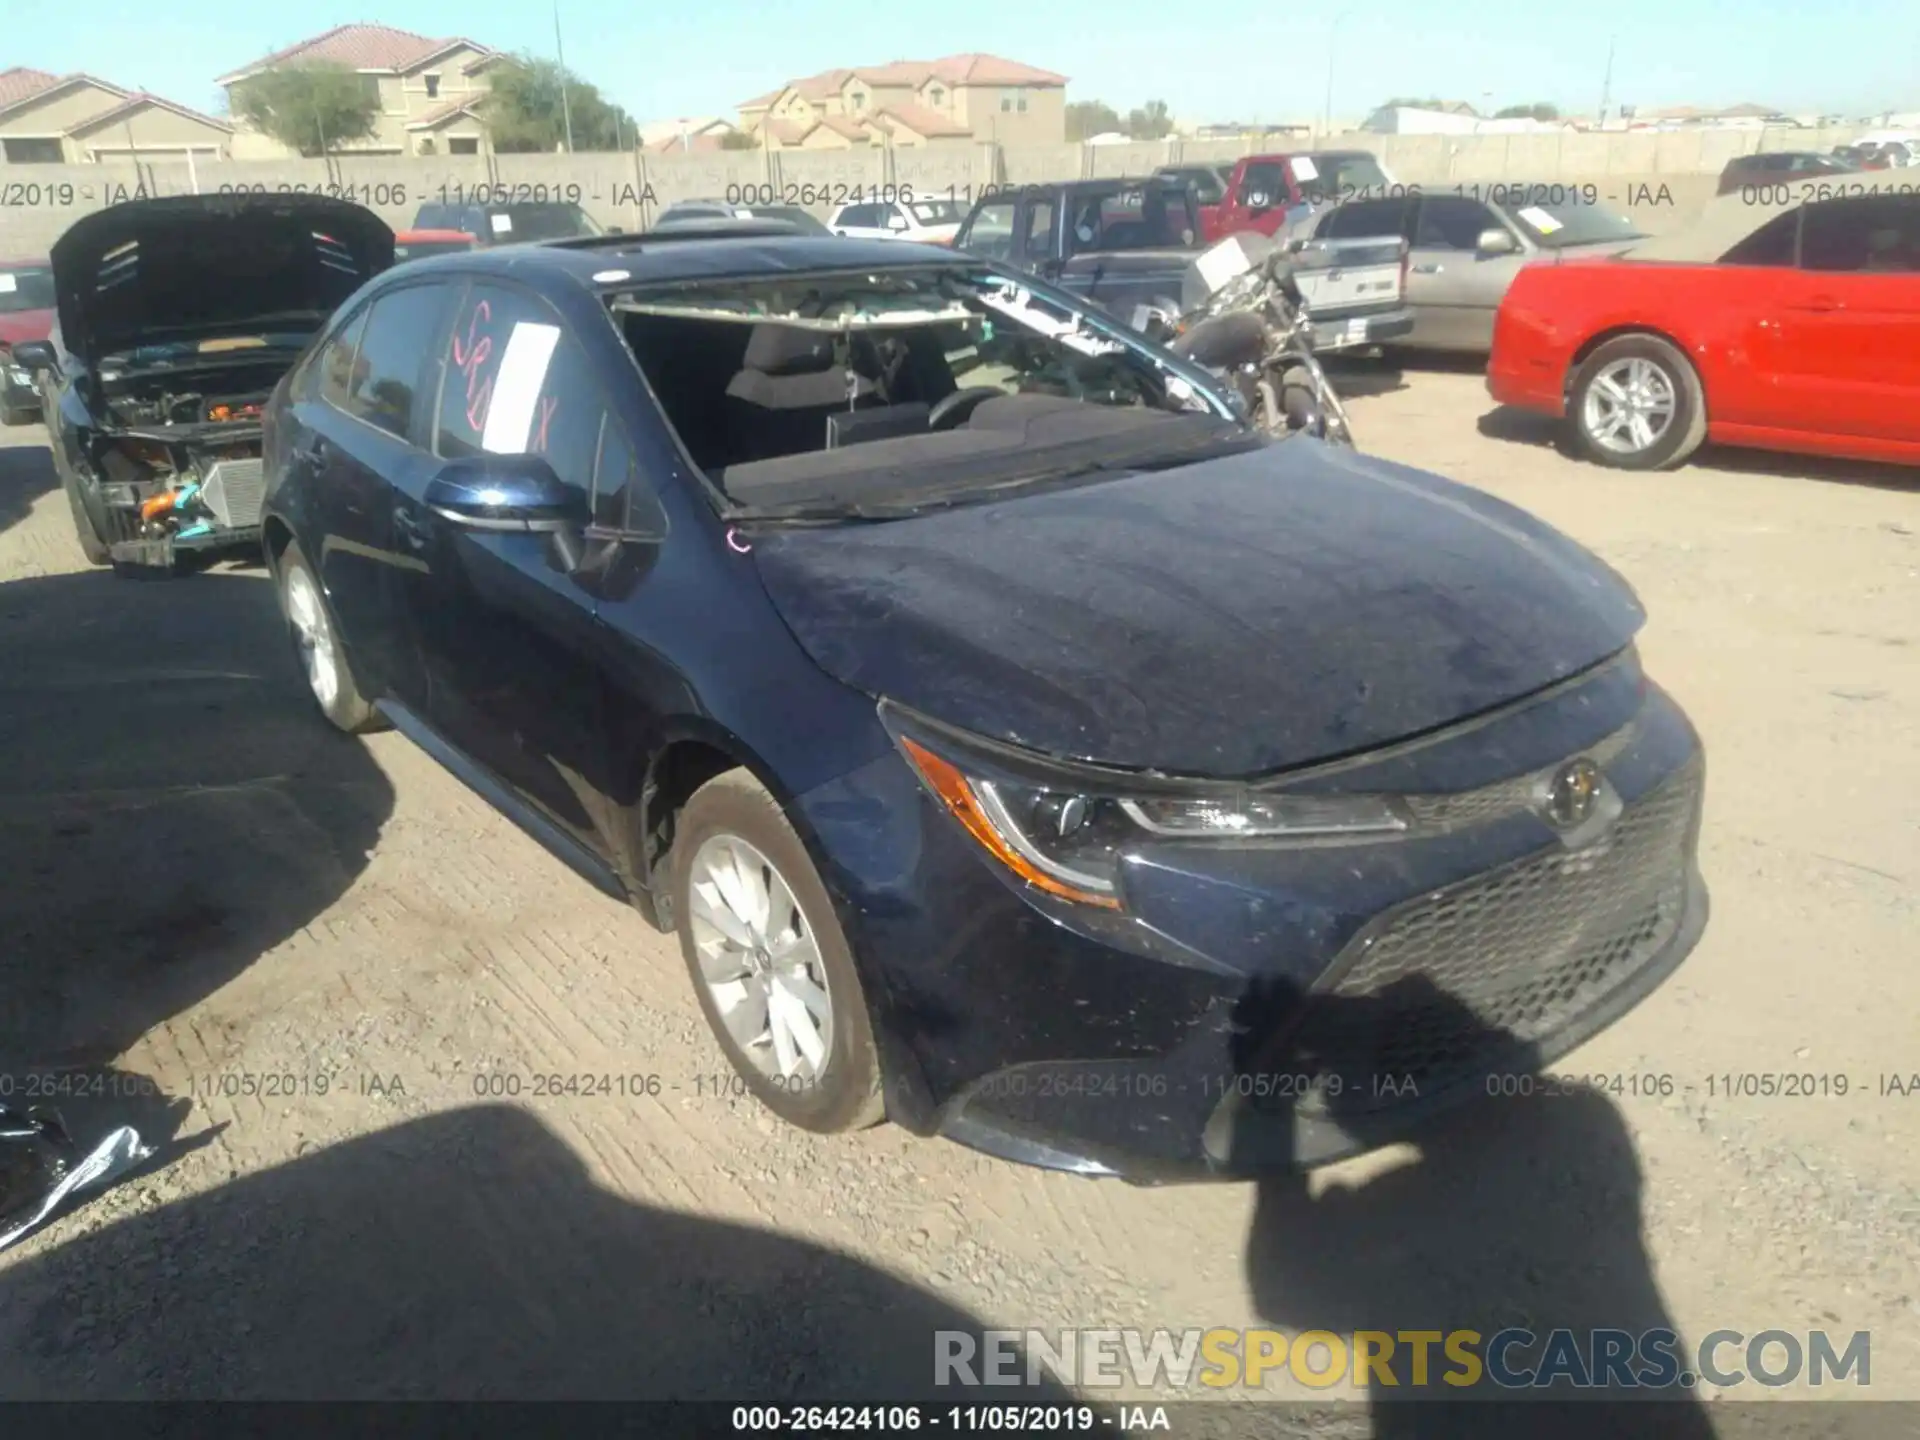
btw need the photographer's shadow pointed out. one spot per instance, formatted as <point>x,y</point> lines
<point>1521,1211</point>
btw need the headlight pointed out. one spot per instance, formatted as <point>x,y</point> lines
<point>1067,839</point>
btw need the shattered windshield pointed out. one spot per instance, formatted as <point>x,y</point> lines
<point>877,393</point>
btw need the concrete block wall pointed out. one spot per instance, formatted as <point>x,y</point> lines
<point>37,202</point>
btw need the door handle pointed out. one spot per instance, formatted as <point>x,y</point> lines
<point>408,529</point>
<point>1433,269</point>
<point>1822,304</point>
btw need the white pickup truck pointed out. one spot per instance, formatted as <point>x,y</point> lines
<point>1355,289</point>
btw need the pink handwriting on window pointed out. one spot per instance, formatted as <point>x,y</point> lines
<point>548,404</point>
<point>469,358</point>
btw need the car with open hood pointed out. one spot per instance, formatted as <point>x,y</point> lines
<point>177,317</point>
<point>1023,747</point>
<point>26,317</point>
<point>1784,318</point>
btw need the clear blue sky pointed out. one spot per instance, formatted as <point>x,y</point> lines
<point>664,60</point>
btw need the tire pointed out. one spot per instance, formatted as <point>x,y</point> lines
<point>317,649</point>
<point>91,545</point>
<point>733,822</point>
<point>1649,370</point>
<point>1298,401</point>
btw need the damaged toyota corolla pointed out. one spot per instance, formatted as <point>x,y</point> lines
<point>177,317</point>
<point>1024,748</point>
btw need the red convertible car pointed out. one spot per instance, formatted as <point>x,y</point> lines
<point>1784,320</point>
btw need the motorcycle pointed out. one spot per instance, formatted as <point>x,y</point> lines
<point>1256,334</point>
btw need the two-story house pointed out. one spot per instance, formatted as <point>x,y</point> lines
<point>77,119</point>
<point>959,98</point>
<point>429,90</point>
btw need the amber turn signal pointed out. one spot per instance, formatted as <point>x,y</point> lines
<point>946,781</point>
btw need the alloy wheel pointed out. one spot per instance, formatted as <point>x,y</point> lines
<point>312,636</point>
<point>1629,405</point>
<point>759,960</point>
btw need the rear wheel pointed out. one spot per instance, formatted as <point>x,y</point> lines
<point>1636,404</point>
<point>316,645</point>
<point>770,964</point>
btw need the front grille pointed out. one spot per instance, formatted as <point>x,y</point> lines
<point>1448,984</point>
<point>234,491</point>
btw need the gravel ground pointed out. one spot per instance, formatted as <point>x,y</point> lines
<point>218,910</point>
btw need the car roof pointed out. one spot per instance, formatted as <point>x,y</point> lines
<point>656,257</point>
<point>416,237</point>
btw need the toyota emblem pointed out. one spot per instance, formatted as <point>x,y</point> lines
<point>1571,793</point>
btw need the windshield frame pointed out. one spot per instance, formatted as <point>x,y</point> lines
<point>731,512</point>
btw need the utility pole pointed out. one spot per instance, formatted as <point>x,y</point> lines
<point>560,49</point>
<point>1606,87</point>
<point>1326,113</point>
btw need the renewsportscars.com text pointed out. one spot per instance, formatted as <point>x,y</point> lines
<point>1510,1359</point>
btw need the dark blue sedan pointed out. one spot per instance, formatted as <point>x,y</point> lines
<point>1023,748</point>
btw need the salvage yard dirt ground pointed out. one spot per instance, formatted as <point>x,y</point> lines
<point>209,897</point>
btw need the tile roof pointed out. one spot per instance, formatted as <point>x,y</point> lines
<point>445,110</point>
<point>362,47</point>
<point>28,91</point>
<point>923,121</point>
<point>969,69</point>
<point>703,144</point>
<point>141,98</point>
<point>17,83</point>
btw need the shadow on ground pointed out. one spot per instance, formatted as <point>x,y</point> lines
<point>171,807</point>
<point>465,1256</point>
<point>1528,427</point>
<point>1518,1213</point>
<point>26,473</point>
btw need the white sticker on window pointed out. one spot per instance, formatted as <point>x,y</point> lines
<point>1303,169</point>
<point>516,387</point>
<point>502,224</point>
<point>9,284</point>
<point>1540,220</point>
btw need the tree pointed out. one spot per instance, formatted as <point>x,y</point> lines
<point>739,140</point>
<point>1539,110</point>
<point>1407,102</point>
<point>1150,121</point>
<point>312,107</point>
<point>1087,118</point>
<point>530,101</point>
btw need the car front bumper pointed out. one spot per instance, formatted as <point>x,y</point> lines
<point>1268,1007</point>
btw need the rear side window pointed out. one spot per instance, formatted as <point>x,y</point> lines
<point>1772,244</point>
<point>336,361</point>
<point>402,329</point>
<point>1365,220</point>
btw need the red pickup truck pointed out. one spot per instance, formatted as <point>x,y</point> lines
<point>1270,193</point>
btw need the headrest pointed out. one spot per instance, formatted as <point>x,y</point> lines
<point>788,350</point>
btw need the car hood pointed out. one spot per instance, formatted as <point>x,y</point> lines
<point>1233,617</point>
<point>24,325</point>
<point>152,272</point>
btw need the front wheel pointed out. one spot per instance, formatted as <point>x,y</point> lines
<point>1636,404</point>
<point>770,964</point>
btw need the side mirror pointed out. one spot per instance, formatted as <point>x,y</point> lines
<point>34,355</point>
<point>505,492</point>
<point>1496,242</point>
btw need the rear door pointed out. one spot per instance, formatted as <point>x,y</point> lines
<point>1454,289</point>
<point>1848,326</point>
<point>507,627</point>
<point>1129,246</point>
<point>374,462</point>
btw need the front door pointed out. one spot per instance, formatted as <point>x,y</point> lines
<point>1847,357</point>
<point>1454,289</point>
<point>508,627</point>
